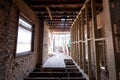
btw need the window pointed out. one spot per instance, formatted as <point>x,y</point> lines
<point>24,38</point>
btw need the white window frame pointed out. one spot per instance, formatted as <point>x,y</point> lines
<point>24,37</point>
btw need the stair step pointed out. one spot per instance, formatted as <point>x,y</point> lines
<point>56,70</point>
<point>50,70</point>
<point>71,66</point>
<point>73,78</point>
<point>72,70</point>
<point>42,78</point>
<point>48,74</point>
<point>75,74</point>
<point>69,63</point>
<point>68,60</point>
<point>55,78</point>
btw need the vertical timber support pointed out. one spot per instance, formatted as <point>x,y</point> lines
<point>71,42</point>
<point>74,42</point>
<point>88,32</point>
<point>77,42</point>
<point>109,40</point>
<point>82,39</point>
<point>80,56</point>
<point>94,24</point>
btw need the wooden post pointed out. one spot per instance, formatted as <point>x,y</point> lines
<point>71,42</point>
<point>82,33</point>
<point>109,40</point>
<point>94,22</point>
<point>75,42</point>
<point>80,44</point>
<point>78,40</point>
<point>88,44</point>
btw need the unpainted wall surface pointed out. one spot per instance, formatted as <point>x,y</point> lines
<point>14,67</point>
<point>45,42</point>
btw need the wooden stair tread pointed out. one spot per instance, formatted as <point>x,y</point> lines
<point>70,72</point>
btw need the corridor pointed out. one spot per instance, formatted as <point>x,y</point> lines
<point>57,60</point>
<point>59,39</point>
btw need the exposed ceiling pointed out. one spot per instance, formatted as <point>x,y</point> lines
<point>59,14</point>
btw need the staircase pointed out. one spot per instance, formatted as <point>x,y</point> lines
<point>70,72</point>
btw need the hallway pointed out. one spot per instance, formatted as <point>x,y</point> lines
<point>57,60</point>
<point>36,37</point>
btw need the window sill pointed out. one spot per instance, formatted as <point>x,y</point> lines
<point>23,53</point>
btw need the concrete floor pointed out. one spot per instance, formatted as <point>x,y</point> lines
<point>57,60</point>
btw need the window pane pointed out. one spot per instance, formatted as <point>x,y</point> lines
<point>25,24</point>
<point>23,40</point>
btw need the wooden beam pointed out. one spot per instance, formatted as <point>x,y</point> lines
<point>75,41</point>
<point>77,24</point>
<point>88,42</point>
<point>49,12</point>
<point>60,20</point>
<point>58,6</point>
<point>81,10</point>
<point>107,10</point>
<point>57,9</point>
<point>82,38</point>
<point>80,46</point>
<point>53,2</point>
<point>56,17</point>
<point>58,12</point>
<point>94,22</point>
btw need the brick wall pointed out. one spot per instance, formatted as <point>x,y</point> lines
<point>14,67</point>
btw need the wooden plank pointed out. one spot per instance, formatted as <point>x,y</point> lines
<point>80,11</point>
<point>73,44</point>
<point>77,42</point>
<point>100,39</point>
<point>80,60</point>
<point>109,40</point>
<point>88,43</point>
<point>116,35</point>
<point>94,22</point>
<point>49,12</point>
<point>82,38</point>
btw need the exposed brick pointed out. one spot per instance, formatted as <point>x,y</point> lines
<point>11,66</point>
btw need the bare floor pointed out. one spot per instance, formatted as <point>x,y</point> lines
<point>57,60</point>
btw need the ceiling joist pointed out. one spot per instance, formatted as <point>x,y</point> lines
<point>49,12</point>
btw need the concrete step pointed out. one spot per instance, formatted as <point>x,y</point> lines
<point>48,74</point>
<point>55,78</point>
<point>73,78</point>
<point>70,72</point>
<point>75,74</point>
<point>56,70</point>
<point>71,66</point>
<point>42,78</point>
<point>50,70</point>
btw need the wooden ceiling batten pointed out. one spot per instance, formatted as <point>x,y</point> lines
<point>49,12</point>
<point>57,10</point>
